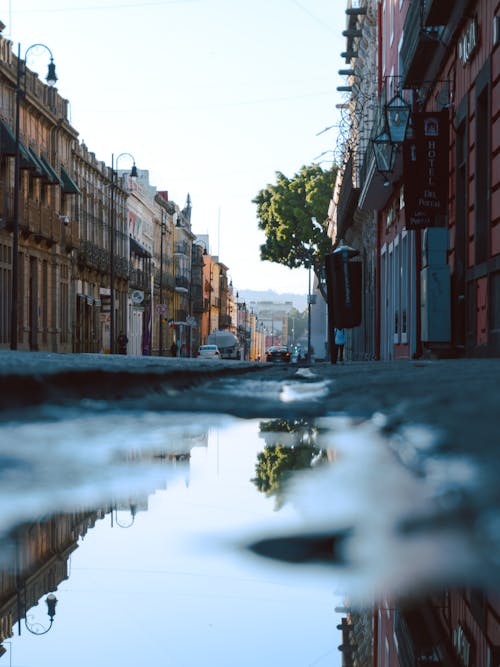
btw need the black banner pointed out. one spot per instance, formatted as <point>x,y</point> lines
<point>426,170</point>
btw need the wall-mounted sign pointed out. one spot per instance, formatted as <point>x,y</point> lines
<point>426,173</point>
<point>468,41</point>
<point>137,296</point>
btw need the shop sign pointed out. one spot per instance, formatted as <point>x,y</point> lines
<point>468,42</point>
<point>426,174</point>
<point>462,645</point>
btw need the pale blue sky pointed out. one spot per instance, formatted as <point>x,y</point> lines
<point>211,96</point>
<point>176,589</point>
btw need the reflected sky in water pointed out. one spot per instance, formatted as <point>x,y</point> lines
<point>175,588</point>
<point>221,541</point>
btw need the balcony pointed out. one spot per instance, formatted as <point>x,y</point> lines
<point>181,248</point>
<point>92,257</point>
<point>139,279</point>
<point>167,280</point>
<point>121,266</point>
<point>181,284</point>
<point>438,12</point>
<point>32,212</point>
<point>421,46</point>
<point>69,235</point>
<point>200,306</point>
<point>224,321</point>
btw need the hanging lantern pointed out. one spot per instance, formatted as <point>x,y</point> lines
<point>397,113</point>
<point>385,152</point>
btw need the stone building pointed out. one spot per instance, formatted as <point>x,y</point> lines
<point>38,219</point>
<point>352,220</point>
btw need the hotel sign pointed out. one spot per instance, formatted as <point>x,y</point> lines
<point>468,42</point>
<point>426,172</point>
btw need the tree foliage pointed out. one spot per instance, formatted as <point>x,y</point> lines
<point>277,462</point>
<point>285,211</point>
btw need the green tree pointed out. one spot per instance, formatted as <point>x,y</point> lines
<point>277,462</point>
<point>293,215</point>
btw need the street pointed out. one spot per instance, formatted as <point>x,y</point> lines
<point>367,479</point>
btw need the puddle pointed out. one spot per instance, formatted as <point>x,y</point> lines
<point>182,539</point>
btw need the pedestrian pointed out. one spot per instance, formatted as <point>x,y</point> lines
<point>339,338</point>
<point>122,342</point>
<point>173,349</point>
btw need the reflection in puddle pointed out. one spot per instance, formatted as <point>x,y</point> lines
<point>136,522</point>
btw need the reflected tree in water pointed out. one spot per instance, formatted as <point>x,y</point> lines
<point>290,447</point>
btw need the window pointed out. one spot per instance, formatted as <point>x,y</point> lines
<point>482,192</point>
<point>404,287</point>
<point>391,19</point>
<point>397,290</point>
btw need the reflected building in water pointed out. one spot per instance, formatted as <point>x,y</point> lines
<point>455,628</point>
<point>35,561</point>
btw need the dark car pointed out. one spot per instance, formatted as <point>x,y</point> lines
<point>279,353</point>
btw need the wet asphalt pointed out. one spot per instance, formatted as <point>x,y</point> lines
<point>458,397</point>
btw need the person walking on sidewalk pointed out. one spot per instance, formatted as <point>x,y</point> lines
<point>339,335</point>
<point>122,342</point>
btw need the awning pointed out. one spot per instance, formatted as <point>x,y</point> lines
<point>138,249</point>
<point>51,174</point>
<point>69,186</point>
<point>8,147</point>
<point>39,168</point>
<point>90,300</point>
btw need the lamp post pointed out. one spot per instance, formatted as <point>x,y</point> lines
<point>112,231</point>
<point>160,297</point>
<point>51,79</point>
<point>38,628</point>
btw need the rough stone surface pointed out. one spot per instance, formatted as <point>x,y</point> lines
<point>460,397</point>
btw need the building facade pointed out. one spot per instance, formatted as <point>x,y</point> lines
<point>422,208</point>
<point>38,223</point>
<point>90,254</point>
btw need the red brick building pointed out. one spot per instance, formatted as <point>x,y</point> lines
<point>437,264</point>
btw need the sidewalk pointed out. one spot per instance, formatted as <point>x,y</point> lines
<point>30,378</point>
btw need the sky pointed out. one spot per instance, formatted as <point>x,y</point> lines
<point>177,589</point>
<point>212,97</point>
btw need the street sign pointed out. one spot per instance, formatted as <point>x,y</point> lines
<point>161,308</point>
<point>137,296</point>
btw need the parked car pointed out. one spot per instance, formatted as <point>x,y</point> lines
<point>209,352</point>
<point>278,353</point>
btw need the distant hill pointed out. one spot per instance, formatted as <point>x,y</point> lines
<point>299,300</point>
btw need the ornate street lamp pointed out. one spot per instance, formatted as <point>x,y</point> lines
<point>124,524</point>
<point>389,141</point>
<point>397,114</point>
<point>385,154</point>
<point>51,79</point>
<point>112,231</point>
<point>38,628</point>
